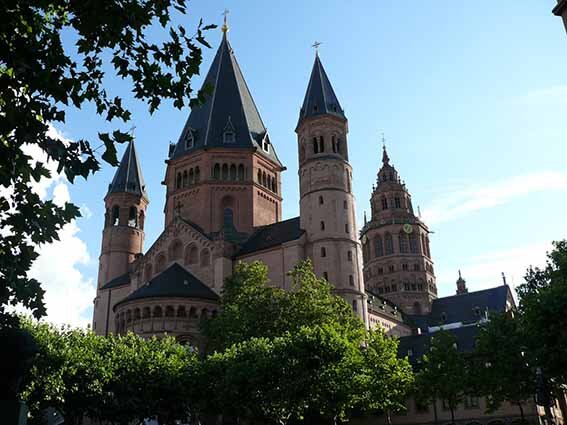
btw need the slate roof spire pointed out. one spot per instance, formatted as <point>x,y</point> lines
<point>320,97</point>
<point>230,104</point>
<point>128,177</point>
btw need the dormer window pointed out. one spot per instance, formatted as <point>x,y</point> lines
<point>189,139</point>
<point>228,137</point>
<point>266,143</point>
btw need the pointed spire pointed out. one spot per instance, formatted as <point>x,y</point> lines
<point>230,103</point>
<point>320,97</point>
<point>385,157</point>
<point>461,285</point>
<point>128,177</point>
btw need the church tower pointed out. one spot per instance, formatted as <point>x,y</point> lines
<point>327,207</point>
<point>223,174</point>
<point>395,246</point>
<point>123,234</point>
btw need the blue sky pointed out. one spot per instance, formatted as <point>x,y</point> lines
<point>471,96</point>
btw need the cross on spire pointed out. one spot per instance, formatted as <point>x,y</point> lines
<point>316,46</point>
<point>224,27</point>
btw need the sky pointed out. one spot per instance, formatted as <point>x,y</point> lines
<point>471,98</point>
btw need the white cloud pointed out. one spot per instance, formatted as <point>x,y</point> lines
<point>485,271</point>
<point>473,198</point>
<point>68,292</point>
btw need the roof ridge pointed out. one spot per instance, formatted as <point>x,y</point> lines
<point>213,97</point>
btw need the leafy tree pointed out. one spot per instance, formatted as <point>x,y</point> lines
<point>443,372</point>
<point>502,372</point>
<point>543,302</point>
<point>253,308</point>
<point>389,379</point>
<point>43,76</point>
<point>118,379</point>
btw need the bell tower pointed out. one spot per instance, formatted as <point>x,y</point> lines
<point>123,234</point>
<point>395,246</point>
<point>327,207</point>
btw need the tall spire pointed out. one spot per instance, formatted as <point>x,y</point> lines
<point>385,157</point>
<point>228,118</point>
<point>320,97</point>
<point>461,285</point>
<point>128,177</point>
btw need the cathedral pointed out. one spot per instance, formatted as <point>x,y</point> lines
<point>224,205</point>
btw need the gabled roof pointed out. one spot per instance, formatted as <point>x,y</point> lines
<point>272,235</point>
<point>320,97</point>
<point>175,281</point>
<point>117,281</point>
<point>230,107</point>
<point>462,307</point>
<point>128,177</point>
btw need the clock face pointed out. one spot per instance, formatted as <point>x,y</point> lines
<point>408,228</point>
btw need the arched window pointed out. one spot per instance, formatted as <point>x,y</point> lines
<point>181,311</point>
<point>178,181</point>
<point>191,255</point>
<point>427,246</point>
<point>403,242</point>
<point>321,144</point>
<point>323,251</point>
<point>413,244</point>
<point>354,305</point>
<point>160,263</point>
<point>157,311</point>
<point>389,244</point>
<point>169,311</point>
<point>175,250</point>
<point>269,182</point>
<point>233,172</point>
<point>204,313</point>
<point>189,141</point>
<point>225,171</point>
<point>349,256</point>
<point>397,202</point>
<point>241,172</point>
<point>259,177</point>
<point>192,312</point>
<point>197,174</point>
<point>133,217</point>
<point>229,137</point>
<point>216,172</point>
<point>141,220</point>
<point>146,313</point>
<point>315,145</point>
<point>115,215</point>
<point>191,176</point>
<point>338,145</point>
<point>185,178</point>
<point>205,258</point>
<point>322,224</point>
<point>351,280</point>
<point>384,203</point>
<point>326,276</point>
<point>378,246</point>
<point>274,185</point>
<point>334,143</point>
<point>321,201</point>
<point>264,179</point>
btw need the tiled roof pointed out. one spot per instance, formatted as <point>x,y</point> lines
<point>230,107</point>
<point>175,281</point>
<point>117,281</point>
<point>463,308</point>
<point>320,97</point>
<point>272,235</point>
<point>381,305</point>
<point>128,177</point>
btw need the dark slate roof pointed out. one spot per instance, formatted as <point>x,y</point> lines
<point>272,235</point>
<point>381,305</point>
<point>419,344</point>
<point>117,281</point>
<point>461,308</point>
<point>320,97</point>
<point>128,176</point>
<point>229,107</point>
<point>175,281</point>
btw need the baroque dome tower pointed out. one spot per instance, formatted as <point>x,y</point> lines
<point>395,246</point>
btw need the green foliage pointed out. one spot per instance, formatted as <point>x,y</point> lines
<point>501,370</point>
<point>543,303</point>
<point>119,379</point>
<point>443,372</point>
<point>41,78</point>
<point>283,356</point>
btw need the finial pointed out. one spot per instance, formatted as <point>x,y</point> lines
<point>224,27</point>
<point>504,278</point>
<point>418,212</point>
<point>316,47</point>
<point>385,157</point>
<point>131,131</point>
<point>460,277</point>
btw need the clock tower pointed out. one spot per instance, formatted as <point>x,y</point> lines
<point>395,246</point>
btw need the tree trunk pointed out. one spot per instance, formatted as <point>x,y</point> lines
<point>435,412</point>
<point>452,415</point>
<point>388,417</point>
<point>521,412</point>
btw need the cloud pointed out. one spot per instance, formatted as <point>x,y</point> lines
<point>68,292</point>
<point>464,201</point>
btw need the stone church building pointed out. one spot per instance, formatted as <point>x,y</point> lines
<point>224,205</point>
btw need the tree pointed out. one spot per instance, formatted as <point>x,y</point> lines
<point>118,379</point>
<point>253,308</point>
<point>543,302</point>
<point>502,372</point>
<point>389,379</point>
<point>443,372</point>
<point>42,77</point>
